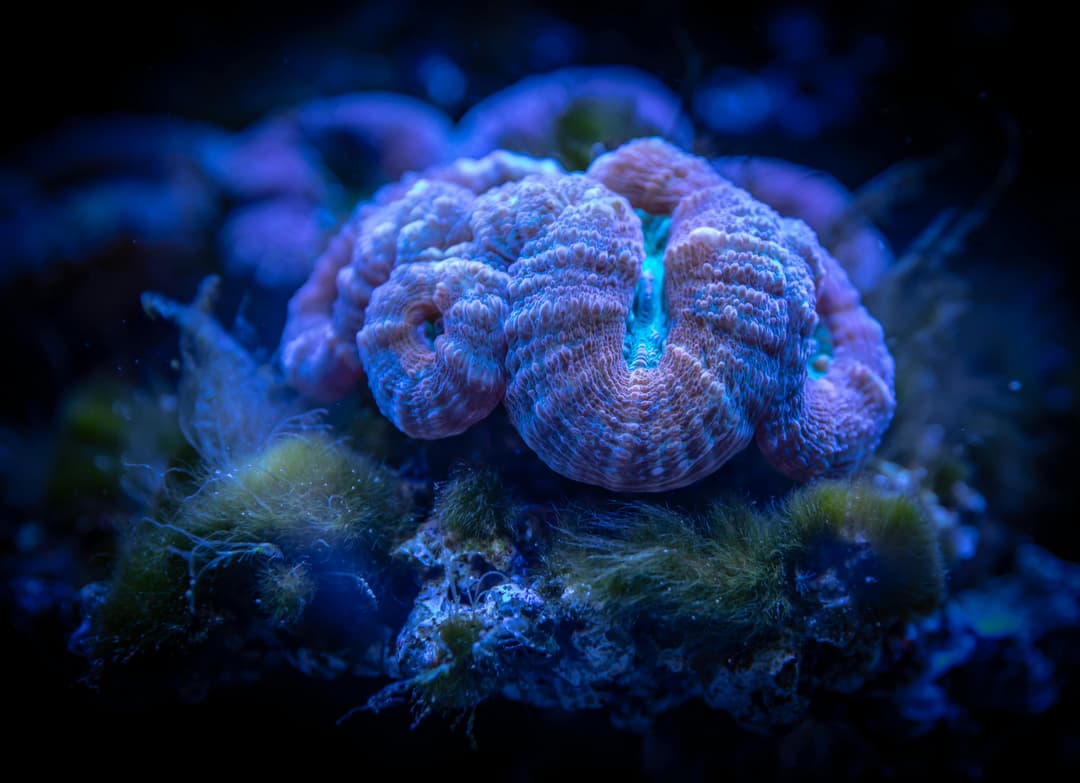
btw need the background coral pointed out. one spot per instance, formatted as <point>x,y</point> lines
<point>573,114</point>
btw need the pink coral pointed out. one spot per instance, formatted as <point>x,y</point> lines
<point>420,218</point>
<point>643,321</point>
<point>836,418</point>
<point>823,204</point>
<point>432,346</point>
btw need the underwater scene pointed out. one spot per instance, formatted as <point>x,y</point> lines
<point>687,392</point>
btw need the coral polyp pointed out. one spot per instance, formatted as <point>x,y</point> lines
<point>643,321</point>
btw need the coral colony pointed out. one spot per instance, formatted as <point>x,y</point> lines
<point>529,329</point>
<point>634,363</point>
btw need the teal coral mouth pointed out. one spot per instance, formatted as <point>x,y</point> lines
<point>647,322</point>
<point>431,329</point>
<point>820,359</point>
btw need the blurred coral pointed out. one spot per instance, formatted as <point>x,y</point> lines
<point>566,113</point>
<point>400,133</point>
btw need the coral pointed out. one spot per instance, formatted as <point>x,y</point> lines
<point>570,113</point>
<point>402,133</point>
<point>432,346</point>
<point>848,399</point>
<point>642,314</point>
<point>275,240</point>
<point>647,320</point>
<point>268,159</point>
<point>419,218</point>
<point>822,203</point>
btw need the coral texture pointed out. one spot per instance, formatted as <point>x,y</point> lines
<point>823,204</point>
<point>643,321</point>
<point>421,218</point>
<point>429,387</point>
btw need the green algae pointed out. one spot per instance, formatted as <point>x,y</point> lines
<point>455,684</point>
<point>474,506</point>
<point>304,503</point>
<point>107,432</point>
<point>721,571</point>
<point>578,131</point>
<point>733,571</point>
<point>285,590</point>
<point>904,575</point>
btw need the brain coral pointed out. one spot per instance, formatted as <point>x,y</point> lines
<point>823,204</point>
<point>643,321</point>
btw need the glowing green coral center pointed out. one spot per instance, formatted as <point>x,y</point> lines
<point>646,323</point>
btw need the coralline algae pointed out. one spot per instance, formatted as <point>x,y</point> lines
<point>633,363</point>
